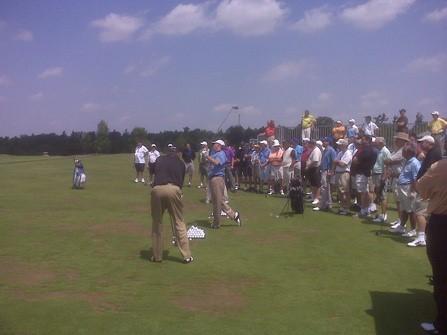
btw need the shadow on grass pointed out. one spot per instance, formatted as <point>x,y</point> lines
<point>147,254</point>
<point>401,313</point>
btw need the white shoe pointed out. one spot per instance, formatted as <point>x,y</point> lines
<point>410,233</point>
<point>316,209</point>
<point>380,218</point>
<point>398,230</point>
<point>282,192</point>
<point>142,180</point>
<point>270,192</point>
<point>417,243</point>
<point>428,327</point>
<point>136,180</point>
<point>395,223</point>
<point>315,202</point>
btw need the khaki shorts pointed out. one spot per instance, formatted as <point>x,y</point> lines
<point>421,205</point>
<point>394,190</point>
<point>377,179</point>
<point>342,181</point>
<point>276,172</point>
<point>407,198</point>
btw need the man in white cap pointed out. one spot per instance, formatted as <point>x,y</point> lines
<point>203,163</point>
<point>341,166</point>
<point>369,127</point>
<point>152,157</point>
<point>379,177</point>
<point>437,127</point>
<point>216,176</point>
<point>432,155</point>
<point>352,130</point>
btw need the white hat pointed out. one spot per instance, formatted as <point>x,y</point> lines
<point>203,143</point>
<point>435,113</point>
<point>338,121</point>
<point>306,139</point>
<point>276,143</point>
<point>352,120</point>
<point>220,142</point>
<point>319,143</point>
<point>263,142</point>
<point>427,138</point>
<point>153,145</point>
<point>169,145</point>
<point>342,141</point>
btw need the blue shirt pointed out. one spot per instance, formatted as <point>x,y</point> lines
<point>218,170</point>
<point>329,155</point>
<point>298,151</point>
<point>409,171</point>
<point>264,155</point>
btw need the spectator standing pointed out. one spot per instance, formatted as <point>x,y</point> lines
<point>308,123</point>
<point>352,130</point>
<point>152,157</point>
<point>369,128</point>
<point>432,186</point>
<point>421,206</point>
<point>326,171</point>
<point>341,167</point>
<point>264,164</point>
<point>297,162</point>
<point>379,177</point>
<point>288,160</point>
<point>203,163</point>
<point>276,170</point>
<point>188,156</point>
<point>229,167</point>
<point>437,127</point>
<point>338,132</point>
<point>312,171</point>
<point>270,132</point>
<point>256,167</point>
<point>402,122</point>
<point>140,157</point>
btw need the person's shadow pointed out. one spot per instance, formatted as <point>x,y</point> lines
<point>147,254</point>
<point>401,313</point>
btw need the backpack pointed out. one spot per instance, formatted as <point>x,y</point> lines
<point>296,195</point>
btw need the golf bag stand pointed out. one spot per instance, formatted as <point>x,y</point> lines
<point>79,177</point>
<point>296,195</point>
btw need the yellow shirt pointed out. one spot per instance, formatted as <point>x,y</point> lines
<point>338,132</point>
<point>437,126</point>
<point>307,122</point>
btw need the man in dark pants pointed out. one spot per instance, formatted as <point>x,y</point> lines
<point>167,194</point>
<point>432,186</point>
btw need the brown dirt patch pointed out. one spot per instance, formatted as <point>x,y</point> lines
<point>214,298</point>
<point>22,274</point>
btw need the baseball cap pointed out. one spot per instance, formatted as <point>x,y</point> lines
<point>203,143</point>
<point>435,113</point>
<point>222,143</point>
<point>319,143</point>
<point>342,141</point>
<point>169,145</point>
<point>427,138</point>
<point>153,145</point>
<point>276,143</point>
<point>327,139</point>
<point>352,120</point>
<point>306,139</point>
<point>263,142</point>
<point>338,121</point>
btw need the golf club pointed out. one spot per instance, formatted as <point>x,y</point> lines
<point>226,117</point>
<point>380,231</point>
<point>174,240</point>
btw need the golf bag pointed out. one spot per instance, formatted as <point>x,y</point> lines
<point>79,177</point>
<point>296,195</point>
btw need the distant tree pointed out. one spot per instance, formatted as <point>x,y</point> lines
<point>235,135</point>
<point>138,133</point>
<point>380,119</point>
<point>102,142</point>
<point>325,121</point>
<point>88,142</point>
<point>419,118</point>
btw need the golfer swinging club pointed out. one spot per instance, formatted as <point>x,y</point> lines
<point>216,175</point>
<point>167,194</point>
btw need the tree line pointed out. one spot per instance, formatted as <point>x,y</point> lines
<point>104,141</point>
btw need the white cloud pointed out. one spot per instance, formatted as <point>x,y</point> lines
<point>130,69</point>
<point>156,66</point>
<point>51,72</point>
<point>89,107</point>
<point>427,64</point>
<point>314,19</point>
<point>375,13</point>
<point>183,20</point>
<point>25,36</point>
<point>249,17</point>
<point>436,15</point>
<point>287,70</point>
<point>373,101</point>
<point>4,81</point>
<point>37,96</point>
<point>116,27</point>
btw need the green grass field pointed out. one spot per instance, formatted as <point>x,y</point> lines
<point>77,262</point>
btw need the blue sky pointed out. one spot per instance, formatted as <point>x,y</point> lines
<point>166,64</point>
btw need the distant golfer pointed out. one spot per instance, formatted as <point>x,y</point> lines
<point>167,194</point>
<point>141,153</point>
<point>216,178</point>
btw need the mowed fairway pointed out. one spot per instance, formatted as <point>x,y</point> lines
<point>77,262</point>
